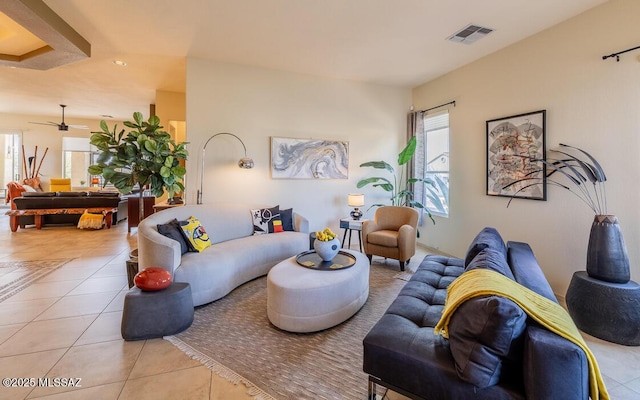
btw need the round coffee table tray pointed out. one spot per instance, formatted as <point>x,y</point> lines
<point>310,259</point>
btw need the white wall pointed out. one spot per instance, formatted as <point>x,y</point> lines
<point>590,103</point>
<point>45,137</point>
<point>255,104</point>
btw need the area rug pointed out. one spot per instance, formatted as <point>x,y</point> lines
<point>234,338</point>
<point>17,275</point>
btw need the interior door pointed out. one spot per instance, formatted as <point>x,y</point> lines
<point>9,161</point>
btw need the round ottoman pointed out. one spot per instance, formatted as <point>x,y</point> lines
<point>301,299</point>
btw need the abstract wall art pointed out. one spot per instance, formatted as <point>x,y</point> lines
<point>309,158</point>
<point>515,146</point>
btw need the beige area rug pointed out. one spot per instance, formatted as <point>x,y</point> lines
<point>17,275</point>
<point>234,338</point>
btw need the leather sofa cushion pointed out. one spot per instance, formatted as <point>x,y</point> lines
<point>485,333</point>
<point>103,194</point>
<point>71,194</point>
<point>486,238</point>
<point>38,194</point>
<point>486,338</point>
<point>384,238</point>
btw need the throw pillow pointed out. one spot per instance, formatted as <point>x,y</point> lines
<point>29,188</point>
<point>492,259</point>
<point>485,337</point>
<point>173,231</point>
<point>264,219</point>
<point>287,219</point>
<point>488,237</point>
<point>196,234</point>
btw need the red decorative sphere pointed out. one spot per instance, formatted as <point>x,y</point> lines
<point>152,278</point>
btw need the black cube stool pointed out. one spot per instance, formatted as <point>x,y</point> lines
<point>148,315</point>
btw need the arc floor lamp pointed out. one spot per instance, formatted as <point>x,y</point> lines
<point>244,162</point>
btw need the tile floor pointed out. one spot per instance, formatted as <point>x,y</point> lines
<point>68,325</point>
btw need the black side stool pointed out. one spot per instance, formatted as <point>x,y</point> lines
<point>148,315</point>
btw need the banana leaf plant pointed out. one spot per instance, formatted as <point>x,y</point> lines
<point>399,187</point>
<point>145,156</point>
<point>581,174</point>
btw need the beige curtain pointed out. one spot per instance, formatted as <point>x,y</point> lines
<point>415,127</point>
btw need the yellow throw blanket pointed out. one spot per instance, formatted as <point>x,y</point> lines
<point>482,282</point>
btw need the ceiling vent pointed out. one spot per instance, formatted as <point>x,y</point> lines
<point>470,34</point>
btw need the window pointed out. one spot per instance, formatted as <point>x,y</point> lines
<point>78,154</point>
<point>436,163</point>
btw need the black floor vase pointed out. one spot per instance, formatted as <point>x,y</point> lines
<point>607,258</point>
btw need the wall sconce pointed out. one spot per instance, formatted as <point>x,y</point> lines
<point>245,162</point>
<point>355,200</point>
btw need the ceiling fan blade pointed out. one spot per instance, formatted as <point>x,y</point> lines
<point>78,126</point>
<point>44,123</point>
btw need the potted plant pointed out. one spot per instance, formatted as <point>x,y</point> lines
<point>399,188</point>
<point>146,156</point>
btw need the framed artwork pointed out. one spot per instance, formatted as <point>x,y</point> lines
<point>309,159</point>
<point>513,146</point>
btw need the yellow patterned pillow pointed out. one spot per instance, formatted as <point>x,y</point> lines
<point>196,234</point>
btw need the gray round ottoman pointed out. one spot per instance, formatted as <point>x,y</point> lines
<point>301,299</point>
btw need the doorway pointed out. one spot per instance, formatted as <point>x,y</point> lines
<point>9,161</point>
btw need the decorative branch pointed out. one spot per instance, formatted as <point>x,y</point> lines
<point>578,171</point>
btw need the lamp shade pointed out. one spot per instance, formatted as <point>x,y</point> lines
<point>355,200</point>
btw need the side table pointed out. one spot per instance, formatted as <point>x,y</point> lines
<point>148,315</point>
<point>350,225</point>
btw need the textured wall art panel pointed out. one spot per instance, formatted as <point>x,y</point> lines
<point>309,159</point>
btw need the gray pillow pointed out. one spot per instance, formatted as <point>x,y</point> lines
<point>287,219</point>
<point>486,238</point>
<point>486,333</point>
<point>173,231</point>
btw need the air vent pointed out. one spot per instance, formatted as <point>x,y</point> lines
<point>470,34</point>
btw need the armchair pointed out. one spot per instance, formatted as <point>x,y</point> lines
<point>391,234</point>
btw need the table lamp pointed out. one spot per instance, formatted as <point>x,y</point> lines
<point>356,200</point>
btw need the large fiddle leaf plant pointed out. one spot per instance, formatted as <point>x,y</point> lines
<point>145,156</point>
<point>399,187</point>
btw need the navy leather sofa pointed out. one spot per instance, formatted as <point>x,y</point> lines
<point>493,352</point>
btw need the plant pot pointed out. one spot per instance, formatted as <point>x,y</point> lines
<point>607,258</point>
<point>327,250</point>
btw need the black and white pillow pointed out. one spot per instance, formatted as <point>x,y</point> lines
<point>266,220</point>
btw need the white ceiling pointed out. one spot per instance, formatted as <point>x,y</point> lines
<point>390,42</point>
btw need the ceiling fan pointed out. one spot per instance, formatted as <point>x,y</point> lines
<point>61,126</point>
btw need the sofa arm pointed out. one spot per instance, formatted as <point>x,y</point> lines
<point>300,223</point>
<point>157,250</point>
<point>553,368</point>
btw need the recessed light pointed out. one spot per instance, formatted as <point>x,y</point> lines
<point>120,63</point>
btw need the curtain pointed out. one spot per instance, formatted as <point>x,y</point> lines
<point>415,169</point>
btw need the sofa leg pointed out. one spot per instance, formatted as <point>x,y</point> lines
<point>401,265</point>
<point>372,391</point>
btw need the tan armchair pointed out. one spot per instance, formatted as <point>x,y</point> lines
<point>391,234</point>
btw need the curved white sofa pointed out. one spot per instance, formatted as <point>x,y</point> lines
<point>236,256</point>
